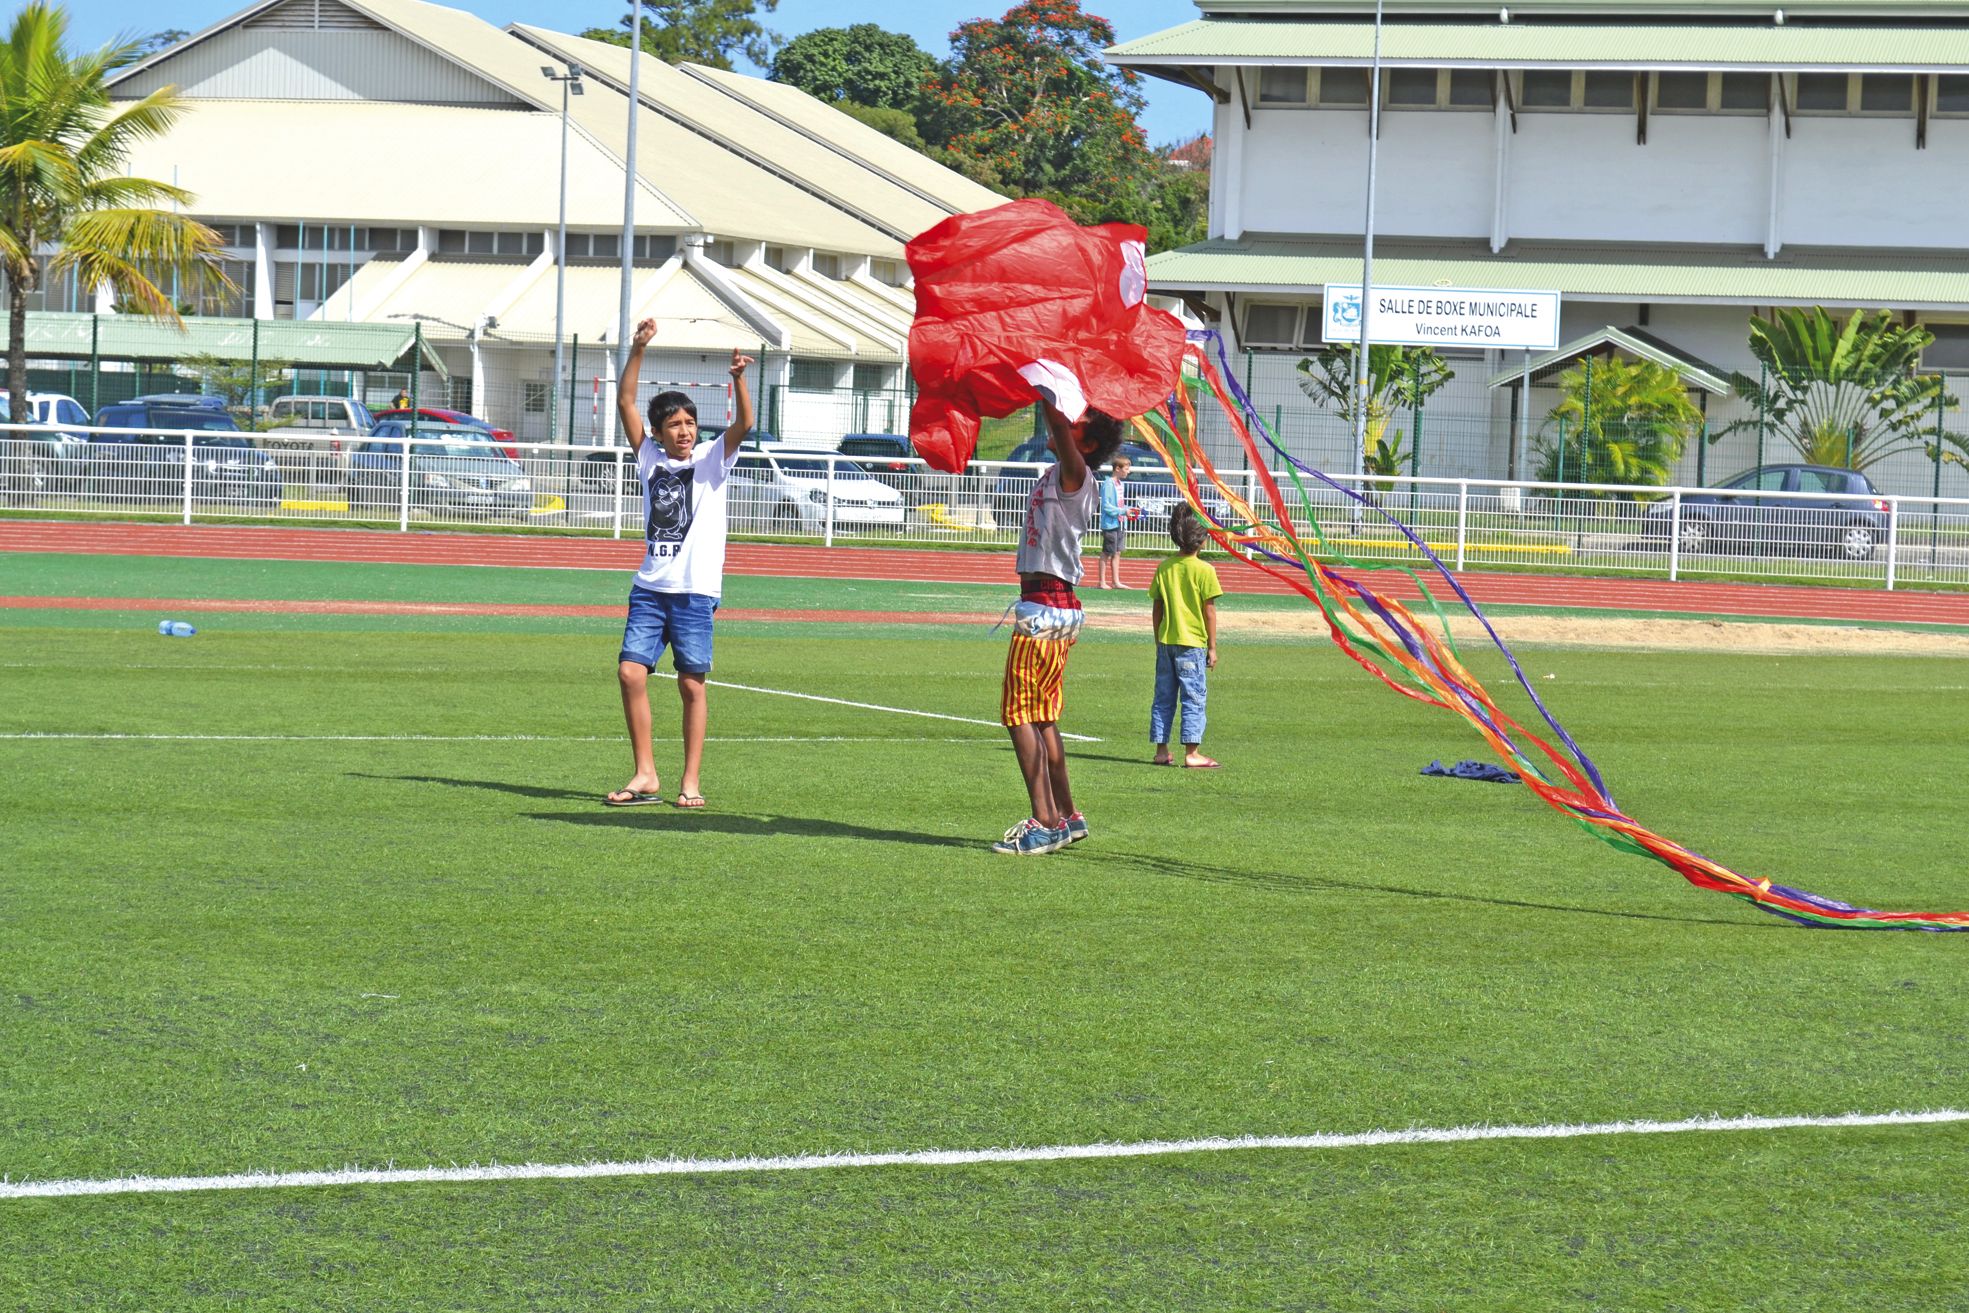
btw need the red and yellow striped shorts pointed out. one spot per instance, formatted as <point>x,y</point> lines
<point>1035,673</point>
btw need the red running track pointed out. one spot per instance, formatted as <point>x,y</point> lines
<point>928,566</point>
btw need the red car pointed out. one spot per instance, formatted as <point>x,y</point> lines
<point>501,438</point>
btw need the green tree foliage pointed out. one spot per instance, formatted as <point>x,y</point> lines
<point>1845,394</point>
<point>161,40</point>
<point>706,32</point>
<point>64,194</point>
<point>863,64</point>
<point>1026,105</point>
<point>1622,421</point>
<point>238,381</point>
<point>1398,378</point>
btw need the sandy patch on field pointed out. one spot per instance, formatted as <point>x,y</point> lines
<point>1611,631</point>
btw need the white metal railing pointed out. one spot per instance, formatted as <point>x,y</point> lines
<point>807,494</point>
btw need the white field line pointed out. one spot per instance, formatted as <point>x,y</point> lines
<point>873,706</point>
<point>10,1189</point>
<point>474,738</point>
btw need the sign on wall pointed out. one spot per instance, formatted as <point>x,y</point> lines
<point>1443,317</point>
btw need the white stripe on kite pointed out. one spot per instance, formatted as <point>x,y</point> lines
<point>10,1189</point>
<point>873,706</point>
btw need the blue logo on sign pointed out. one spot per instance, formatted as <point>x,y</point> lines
<point>1346,309</point>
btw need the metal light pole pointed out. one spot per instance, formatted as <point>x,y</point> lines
<point>1367,261</point>
<point>570,85</point>
<point>629,185</point>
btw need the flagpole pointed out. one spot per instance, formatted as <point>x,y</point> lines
<point>1367,261</point>
<point>626,329</point>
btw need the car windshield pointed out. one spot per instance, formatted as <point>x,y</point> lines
<point>817,469</point>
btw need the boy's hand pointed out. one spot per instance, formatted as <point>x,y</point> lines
<point>644,332</point>
<point>1210,659</point>
<point>740,363</point>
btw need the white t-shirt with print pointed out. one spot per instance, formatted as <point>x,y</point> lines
<point>684,517</point>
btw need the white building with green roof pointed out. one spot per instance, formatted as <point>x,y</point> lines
<point>1669,167</point>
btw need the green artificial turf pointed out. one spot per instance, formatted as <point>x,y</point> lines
<point>303,952</point>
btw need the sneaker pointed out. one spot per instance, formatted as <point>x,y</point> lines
<point>1030,839</point>
<point>1076,828</point>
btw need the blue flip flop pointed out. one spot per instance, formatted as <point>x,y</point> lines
<point>633,799</point>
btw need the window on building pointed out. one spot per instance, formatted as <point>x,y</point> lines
<point>1952,94</point>
<point>1681,91</point>
<point>1282,86</point>
<point>513,244</point>
<point>654,248</point>
<point>1950,349</point>
<point>1546,88</point>
<point>1886,93</point>
<point>1601,90</point>
<point>1580,89</point>
<point>1436,88</point>
<point>1271,325</point>
<point>776,257</point>
<point>894,273</point>
<point>1712,93</point>
<point>1743,92</point>
<point>722,252</point>
<point>827,264</point>
<point>1412,87</point>
<point>533,397</point>
<point>461,394</point>
<point>1343,86</point>
<point>235,302</point>
<point>1469,88</point>
<point>1821,93</point>
<point>871,378</point>
<point>812,376</point>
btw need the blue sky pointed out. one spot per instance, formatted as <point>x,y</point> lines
<point>1174,113</point>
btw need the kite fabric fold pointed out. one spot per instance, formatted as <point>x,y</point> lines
<point>1020,302</point>
<point>1381,635</point>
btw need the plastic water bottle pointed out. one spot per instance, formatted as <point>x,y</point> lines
<point>175,629</point>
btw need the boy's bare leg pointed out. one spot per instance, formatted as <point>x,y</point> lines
<point>635,710</point>
<point>1056,772</point>
<point>1161,757</point>
<point>1029,745</point>
<point>690,688</point>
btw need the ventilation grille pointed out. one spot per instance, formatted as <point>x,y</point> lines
<point>314,16</point>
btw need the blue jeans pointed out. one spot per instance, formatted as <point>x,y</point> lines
<point>1179,673</point>
<point>679,621</point>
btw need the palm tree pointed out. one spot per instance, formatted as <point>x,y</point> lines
<point>1625,422</point>
<point>1398,378</point>
<point>1843,394</point>
<point>63,149</point>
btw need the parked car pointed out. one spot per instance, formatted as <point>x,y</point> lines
<point>591,472</point>
<point>891,460</point>
<point>1149,491</point>
<point>452,468</point>
<point>311,435</point>
<point>1848,519</point>
<point>787,491</point>
<point>226,466</point>
<point>205,399</point>
<point>500,438</point>
<point>54,459</point>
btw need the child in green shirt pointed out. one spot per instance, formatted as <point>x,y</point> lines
<point>1183,611</point>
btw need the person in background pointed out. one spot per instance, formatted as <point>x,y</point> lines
<point>1114,522</point>
<point>1183,613</point>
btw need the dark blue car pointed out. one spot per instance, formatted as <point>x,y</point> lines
<point>1845,517</point>
<point>225,465</point>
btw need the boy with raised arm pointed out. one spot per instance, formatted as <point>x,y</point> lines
<point>676,591</point>
<point>1046,620</point>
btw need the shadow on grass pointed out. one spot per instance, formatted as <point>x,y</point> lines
<point>496,786</point>
<point>676,818</point>
<point>1182,869</point>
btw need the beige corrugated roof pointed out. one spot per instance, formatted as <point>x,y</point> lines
<point>950,189</point>
<point>366,162</point>
<point>457,291</point>
<point>815,332</point>
<point>871,304</point>
<point>727,193</point>
<point>814,166</point>
<point>1616,44</point>
<point>1696,275</point>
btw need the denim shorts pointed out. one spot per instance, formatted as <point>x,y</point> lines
<point>679,621</point>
